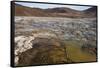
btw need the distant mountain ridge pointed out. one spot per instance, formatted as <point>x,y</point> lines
<point>54,12</point>
<point>91,12</point>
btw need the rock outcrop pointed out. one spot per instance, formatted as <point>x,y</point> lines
<point>38,41</point>
<point>43,51</point>
<point>22,43</point>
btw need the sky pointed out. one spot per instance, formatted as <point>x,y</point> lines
<point>45,6</point>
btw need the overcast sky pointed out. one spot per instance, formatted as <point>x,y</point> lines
<point>45,6</point>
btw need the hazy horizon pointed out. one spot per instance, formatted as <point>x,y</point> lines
<point>46,6</point>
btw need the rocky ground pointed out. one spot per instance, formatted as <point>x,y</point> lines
<point>51,40</point>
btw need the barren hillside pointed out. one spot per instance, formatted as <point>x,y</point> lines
<point>54,12</point>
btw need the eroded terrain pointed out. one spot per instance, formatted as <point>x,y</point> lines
<point>51,40</point>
